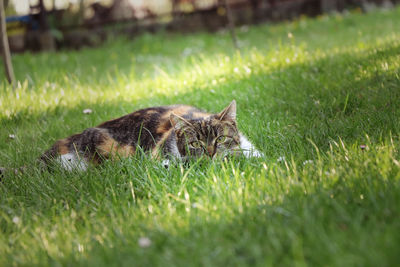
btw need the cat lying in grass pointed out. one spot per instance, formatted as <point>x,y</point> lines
<point>168,132</point>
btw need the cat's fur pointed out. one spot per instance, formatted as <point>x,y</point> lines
<point>167,132</point>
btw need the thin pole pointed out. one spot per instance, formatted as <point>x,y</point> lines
<point>5,46</point>
<point>231,24</point>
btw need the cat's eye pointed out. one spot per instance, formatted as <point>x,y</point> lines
<point>195,144</point>
<point>221,139</point>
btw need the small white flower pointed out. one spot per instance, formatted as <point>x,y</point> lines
<point>144,242</point>
<point>309,161</point>
<point>11,136</point>
<point>87,111</point>
<point>16,220</point>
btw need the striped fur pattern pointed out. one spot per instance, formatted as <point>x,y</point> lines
<point>168,132</point>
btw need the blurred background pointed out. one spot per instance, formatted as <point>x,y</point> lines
<point>42,25</point>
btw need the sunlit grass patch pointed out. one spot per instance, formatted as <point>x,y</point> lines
<point>319,97</point>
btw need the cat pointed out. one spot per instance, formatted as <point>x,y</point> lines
<point>177,132</point>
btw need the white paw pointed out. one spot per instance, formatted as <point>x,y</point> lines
<point>165,163</point>
<point>256,154</point>
<point>252,153</point>
<point>71,161</point>
<point>248,149</point>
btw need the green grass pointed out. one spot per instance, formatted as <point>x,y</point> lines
<point>308,103</point>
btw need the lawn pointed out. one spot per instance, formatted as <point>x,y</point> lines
<point>319,97</point>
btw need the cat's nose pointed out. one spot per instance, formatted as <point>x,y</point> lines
<point>211,151</point>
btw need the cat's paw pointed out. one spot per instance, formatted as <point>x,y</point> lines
<point>252,153</point>
<point>166,163</point>
<point>256,154</point>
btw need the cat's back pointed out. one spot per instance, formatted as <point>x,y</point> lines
<point>148,125</point>
<point>154,115</point>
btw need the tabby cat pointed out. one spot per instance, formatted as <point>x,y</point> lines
<point>168,132</point>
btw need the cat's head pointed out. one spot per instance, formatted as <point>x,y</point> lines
<point>212,136</point>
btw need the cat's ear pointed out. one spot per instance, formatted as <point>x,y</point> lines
<point>229,113</point>
<point>178,122</point>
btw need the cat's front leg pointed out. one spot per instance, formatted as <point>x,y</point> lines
<point>170,151</point>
